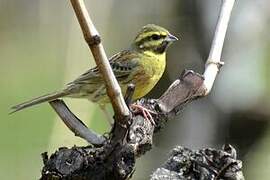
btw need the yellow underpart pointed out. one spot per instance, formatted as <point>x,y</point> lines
<point>153,66</point>
<point>150,68</point>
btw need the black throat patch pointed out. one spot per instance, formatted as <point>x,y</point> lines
<point>162,47</point>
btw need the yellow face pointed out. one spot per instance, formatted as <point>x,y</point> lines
<point>153,38</point>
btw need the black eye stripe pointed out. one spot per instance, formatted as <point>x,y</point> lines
<point>155,37</point>
<point>150,38</point>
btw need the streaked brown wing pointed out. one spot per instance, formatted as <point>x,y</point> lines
<point>122,64</point>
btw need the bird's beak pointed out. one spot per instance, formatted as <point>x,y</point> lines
<point>171,38</point>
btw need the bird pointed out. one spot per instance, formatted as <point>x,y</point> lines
<point>142,64</point>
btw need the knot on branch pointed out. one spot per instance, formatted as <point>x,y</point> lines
<point>67,161</point>
<point>89,163</point>
<point>93,40</point>
<point>219,64</point>
<point>140,135</point>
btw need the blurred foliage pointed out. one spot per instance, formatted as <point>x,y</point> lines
<point>42,48</point>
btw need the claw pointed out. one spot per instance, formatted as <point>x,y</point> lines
<point>146,112</point>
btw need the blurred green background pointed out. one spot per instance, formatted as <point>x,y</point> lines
<point>42,49</point>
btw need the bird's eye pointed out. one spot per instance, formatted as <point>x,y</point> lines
<point>155,37</point>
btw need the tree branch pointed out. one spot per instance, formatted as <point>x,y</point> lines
<point>93,40</point>
<point>213,63</point>
<point>75,124</point>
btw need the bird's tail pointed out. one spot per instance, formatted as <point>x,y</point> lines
<point>38,100</point>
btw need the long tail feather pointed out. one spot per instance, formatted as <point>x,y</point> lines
<point>38,100</point>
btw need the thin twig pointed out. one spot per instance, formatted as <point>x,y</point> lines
<point>213,63</point>
<point>93,40</point>
<point>76,125</point>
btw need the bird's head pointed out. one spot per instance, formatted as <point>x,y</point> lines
<point>153,38</point>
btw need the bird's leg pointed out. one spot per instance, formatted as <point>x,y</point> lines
<point>146,112</point>
<point>107,114</point>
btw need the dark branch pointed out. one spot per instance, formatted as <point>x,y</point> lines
<point>75,124</point>
<point>208,163</point>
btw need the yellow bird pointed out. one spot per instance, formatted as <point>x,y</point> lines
<point>142,64</point>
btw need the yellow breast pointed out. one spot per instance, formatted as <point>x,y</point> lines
<point>153,66</point>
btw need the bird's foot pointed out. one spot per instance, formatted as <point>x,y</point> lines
<point>147,114</point>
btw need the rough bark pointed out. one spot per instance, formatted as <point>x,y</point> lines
<point>116,157</point>
<point>208,163</point>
